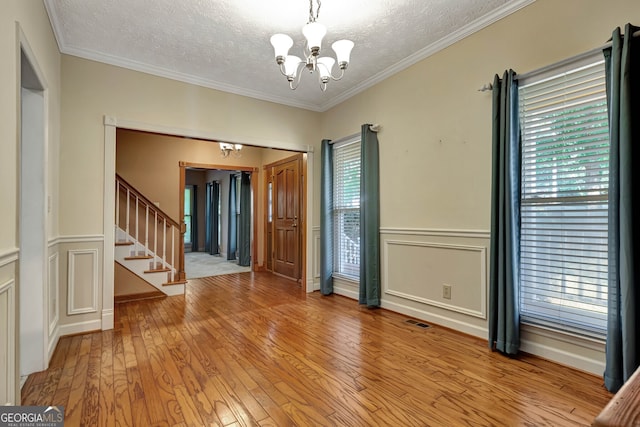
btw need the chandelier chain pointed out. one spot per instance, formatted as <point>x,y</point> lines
<point>312,17</point>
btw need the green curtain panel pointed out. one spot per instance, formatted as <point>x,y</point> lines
<point>622,62</point>
<point>244,226</point>
<point>326,218</point>
<point>369,219</point>
<point>504,317</point>
<point>233,223</point>
<point>212,219</point>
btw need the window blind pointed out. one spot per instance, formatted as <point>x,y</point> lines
<point>564,189</point>
<point>346,208</point>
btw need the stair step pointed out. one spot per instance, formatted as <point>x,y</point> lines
<point>124,243</point>
<point>129,258</point>
<point>139,296</point>
<point>177,282</point>
<point>158,270</point>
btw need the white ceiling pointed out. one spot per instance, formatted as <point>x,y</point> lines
<point>224,44</point>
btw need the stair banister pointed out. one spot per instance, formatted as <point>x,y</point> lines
<point>176,271</point>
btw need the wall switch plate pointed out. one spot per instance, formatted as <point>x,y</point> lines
<point>446,291</point>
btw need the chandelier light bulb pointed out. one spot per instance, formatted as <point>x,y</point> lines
<point>342,48</point>
<point>291,66</point>
<point>281,45</point>
<point>314,33</point>
<point>325,64</point>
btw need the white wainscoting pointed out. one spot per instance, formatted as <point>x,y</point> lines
<point>82,290</point>
<point>315,274</point>
<point>53,292</point>
<point>417,271</point>
<point>7,343</point>
<point>53,300</point>
<point>416,263</point>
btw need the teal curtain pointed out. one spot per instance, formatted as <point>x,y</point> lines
<point>244,226</point>
<point>326,218</point>
<point>504,313</point>
<point>622,62</point>
<point>369,219</point>
<point>212,219</point>
<point>232,226</point>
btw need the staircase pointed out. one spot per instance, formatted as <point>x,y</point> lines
<point>148,241</point>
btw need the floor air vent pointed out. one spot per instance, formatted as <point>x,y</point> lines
<point>418,324</point>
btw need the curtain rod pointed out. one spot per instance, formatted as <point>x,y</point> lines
<point>374,128</point>
<point>541,70</point>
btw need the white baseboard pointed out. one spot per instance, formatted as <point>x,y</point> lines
<point>345,292</point>
<point>107,319</point>
<point>447,322</point>
<point>53,343</point>
<point>80,327</point>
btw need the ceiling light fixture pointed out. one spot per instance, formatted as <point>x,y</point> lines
<point>290,65</point>
<point>226,149</point>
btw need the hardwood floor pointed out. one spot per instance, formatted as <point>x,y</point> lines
<point>253,349</point>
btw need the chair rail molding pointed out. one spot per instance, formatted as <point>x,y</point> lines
<point>9,256</point>
<point>479,234</point>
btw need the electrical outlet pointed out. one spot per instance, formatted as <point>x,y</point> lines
<point>446,291</point>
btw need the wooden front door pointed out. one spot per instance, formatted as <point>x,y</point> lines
<point>286,219</point>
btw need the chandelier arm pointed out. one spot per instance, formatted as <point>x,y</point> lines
<point>282,70</point>
<point>294,86</point>
<point>338,78</point>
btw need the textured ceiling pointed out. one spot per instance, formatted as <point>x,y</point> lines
<point>224,44</point>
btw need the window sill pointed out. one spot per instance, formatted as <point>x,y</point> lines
<point>349,280</point>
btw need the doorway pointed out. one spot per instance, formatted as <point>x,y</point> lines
<point>32,221</point>
<point>219,218</point>
<point>285,217</point>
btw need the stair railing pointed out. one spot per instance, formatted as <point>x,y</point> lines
<point>160,232</point>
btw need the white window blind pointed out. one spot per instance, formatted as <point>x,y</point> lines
<point>346,208</point>
<point>564,188</point>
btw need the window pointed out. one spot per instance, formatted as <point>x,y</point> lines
<point>188,208</point>
<point>346,208</point>
<point>564,188</point>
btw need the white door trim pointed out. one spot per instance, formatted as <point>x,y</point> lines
<point>111,123</point>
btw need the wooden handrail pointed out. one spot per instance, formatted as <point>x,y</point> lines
<point>148,202</point>
<point>624,409</point>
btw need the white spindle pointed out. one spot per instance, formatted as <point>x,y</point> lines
<point>146,231</point>
<point>128,207</point>
<point>173,259</point>
<point>117,204</point>
<point>155,238</point>
<point>164,244</point>
<point>137,222</point>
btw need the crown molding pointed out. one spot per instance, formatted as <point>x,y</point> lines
<point>427,51</point>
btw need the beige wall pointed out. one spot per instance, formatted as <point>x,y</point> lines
<point>35,34</point>
<point>435,162</point>
<point>93,90</point>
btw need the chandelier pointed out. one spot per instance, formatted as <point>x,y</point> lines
<point>291,66</point>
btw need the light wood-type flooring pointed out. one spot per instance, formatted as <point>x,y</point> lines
<point>253,349</point>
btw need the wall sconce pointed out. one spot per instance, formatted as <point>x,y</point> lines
<point>225,149</point>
